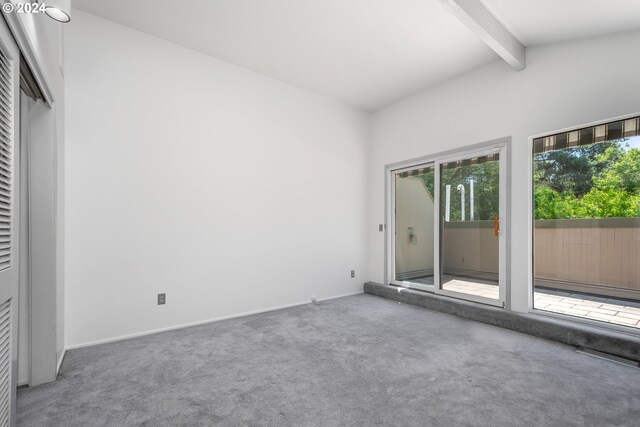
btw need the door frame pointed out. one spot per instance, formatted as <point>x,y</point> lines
<point>405,284</point>
<point>46,205</point>
<point>388,226</point>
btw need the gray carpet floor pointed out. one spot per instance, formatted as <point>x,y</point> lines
<point>354,361</point>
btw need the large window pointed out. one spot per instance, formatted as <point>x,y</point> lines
<point>586,201</point>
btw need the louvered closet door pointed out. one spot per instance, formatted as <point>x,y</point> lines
<point>9,138</point>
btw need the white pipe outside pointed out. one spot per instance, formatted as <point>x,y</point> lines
<point>460,188</point>
<point>471,210</point>
<point>447,206</point>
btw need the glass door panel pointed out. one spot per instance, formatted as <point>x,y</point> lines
<point>469,221</point>
<point>413,226</point>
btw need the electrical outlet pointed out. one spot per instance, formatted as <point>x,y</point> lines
<point>162,299</point>
<point>353,273</point>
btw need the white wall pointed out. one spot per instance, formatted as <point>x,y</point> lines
<point>228,190</point>
<point>564,85</point>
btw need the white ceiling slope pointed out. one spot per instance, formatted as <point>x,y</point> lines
<point>365,53</point>
<point>548,21</point>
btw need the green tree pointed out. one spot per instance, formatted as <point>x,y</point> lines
<point>549,204</point>
<point>597,181</point>
<point>623,171</point>
<point>607,203</point>
<point>485,178</point>
<point>572,170</point>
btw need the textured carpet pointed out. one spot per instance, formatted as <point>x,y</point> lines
<point>355,361</point>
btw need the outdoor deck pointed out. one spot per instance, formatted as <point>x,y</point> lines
<point>604,309</point>
<point>610,310</point>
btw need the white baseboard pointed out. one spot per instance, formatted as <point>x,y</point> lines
<point>200,322</point>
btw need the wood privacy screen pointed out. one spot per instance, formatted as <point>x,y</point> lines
<point>600,256</point>
<point>597,256</point>
<point>589,135</point>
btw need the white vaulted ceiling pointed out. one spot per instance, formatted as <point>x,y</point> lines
<point>548,21</point>
<point>366,53</point>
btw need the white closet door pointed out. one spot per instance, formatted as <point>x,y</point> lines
<point>9,227</point>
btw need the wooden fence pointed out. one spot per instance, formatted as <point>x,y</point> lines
<point>600,256</point>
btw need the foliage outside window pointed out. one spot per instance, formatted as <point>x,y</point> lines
<point>600,180</point>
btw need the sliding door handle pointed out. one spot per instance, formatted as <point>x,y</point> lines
<point>496,226</point>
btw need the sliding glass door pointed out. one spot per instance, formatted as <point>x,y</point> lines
<point>469,226</point>
<point>448,225</point>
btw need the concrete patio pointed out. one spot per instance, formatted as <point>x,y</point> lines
<point>609,310</point>
<point>604,309</point>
